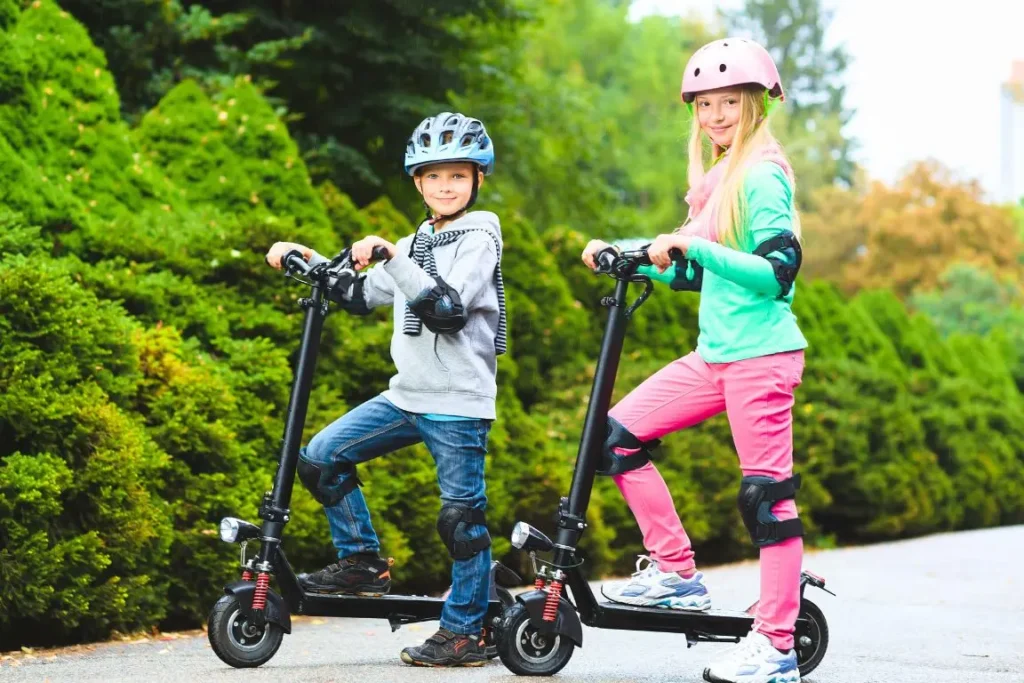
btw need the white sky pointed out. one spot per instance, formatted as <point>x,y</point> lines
<point>918,92</point>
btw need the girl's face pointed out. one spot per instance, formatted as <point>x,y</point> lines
<point>446,188</point>
<point>718,112</point>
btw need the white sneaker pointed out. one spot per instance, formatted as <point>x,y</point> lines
<point>651,587</point>
<point>754,660</point>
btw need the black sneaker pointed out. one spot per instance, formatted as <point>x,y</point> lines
<point>445,648</point>
<point>490,648</point>
<point>361,574</point>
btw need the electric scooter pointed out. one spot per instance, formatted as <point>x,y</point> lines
<point>248,623</point>
<point>538,634</point>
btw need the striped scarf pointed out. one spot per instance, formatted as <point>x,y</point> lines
<point>423,246</point>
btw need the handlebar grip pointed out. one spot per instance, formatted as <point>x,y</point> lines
<point>293,261</point>
<point>676,255</point>
<point>379,254</point>
<point>605,259</point>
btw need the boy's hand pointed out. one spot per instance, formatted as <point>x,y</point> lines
<point>593,248</point>
<point>277,252</point>
<point>362,251</point>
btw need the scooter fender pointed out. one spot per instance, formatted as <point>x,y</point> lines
<point>567,623</point>
<point>276,611</point>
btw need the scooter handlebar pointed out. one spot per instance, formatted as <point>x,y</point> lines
<point>339,271</point>
<point>640,257</point>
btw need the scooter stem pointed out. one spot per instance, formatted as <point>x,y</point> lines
<point>274,511</point>
<point>595,426</point>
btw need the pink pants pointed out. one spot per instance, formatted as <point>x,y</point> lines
<point>757,395</point>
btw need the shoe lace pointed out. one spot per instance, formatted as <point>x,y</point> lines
<point>750,647</point>
<point>650,568</point>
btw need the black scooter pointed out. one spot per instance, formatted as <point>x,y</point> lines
<point>539,633</point>
<point>247,624</point>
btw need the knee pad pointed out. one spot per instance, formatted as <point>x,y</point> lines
<point>756,498</point>
<point>613,463</point>
<point>453,523</point>
<point>322,480</point>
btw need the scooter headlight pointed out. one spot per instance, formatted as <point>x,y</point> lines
<point>525,537</point>
<point>229,529</point>
<point>234,530</point>
<point>520,534</point>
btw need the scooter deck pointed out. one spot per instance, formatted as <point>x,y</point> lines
<point>399,608</point>
<point>713,622</point>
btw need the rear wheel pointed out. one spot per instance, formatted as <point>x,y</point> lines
<point>811,637</point>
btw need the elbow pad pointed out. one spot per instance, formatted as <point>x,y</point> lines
<point>787,266</point>
<point>440,309</point>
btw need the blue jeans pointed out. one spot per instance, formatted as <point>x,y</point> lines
<point>378,427</point>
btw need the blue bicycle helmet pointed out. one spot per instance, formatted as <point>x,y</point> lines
<point>449,137</point>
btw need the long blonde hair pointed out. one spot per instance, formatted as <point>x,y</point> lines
<point>752,133</point>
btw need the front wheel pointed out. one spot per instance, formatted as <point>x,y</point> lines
<point>238,642</point>
<point>528,652</point>
<point>811,637</point>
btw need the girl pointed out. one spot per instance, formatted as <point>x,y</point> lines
<point>740,250</point>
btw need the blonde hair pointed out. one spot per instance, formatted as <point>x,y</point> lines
<point>752,133</point>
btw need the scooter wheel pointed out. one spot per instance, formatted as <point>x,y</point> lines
<point>527,652</point>
<point>811,637</point>
<point>238,642</point>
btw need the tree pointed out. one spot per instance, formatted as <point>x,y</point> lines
<point>928,221</point>
<point>905,237</point>
<point>794,32</point>
<point>583,100</point>
<point>970,300</point>
<point>354,77</point>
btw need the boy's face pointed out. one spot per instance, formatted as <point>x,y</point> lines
<point>446,188</point>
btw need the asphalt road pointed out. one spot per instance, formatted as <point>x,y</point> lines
<point>948,607</point>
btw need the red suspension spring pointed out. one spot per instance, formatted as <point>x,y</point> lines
<point>551,605</point>
<point>259,596</point>
<point>538,583</point>
<point>246,575</point>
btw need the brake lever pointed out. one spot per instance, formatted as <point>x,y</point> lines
<point>648,290</point>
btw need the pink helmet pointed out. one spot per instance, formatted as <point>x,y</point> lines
<point>728,62</point>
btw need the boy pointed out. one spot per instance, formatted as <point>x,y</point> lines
<point>445,284</point>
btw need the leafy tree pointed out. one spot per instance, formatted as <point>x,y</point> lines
<point>815,113</point>
<point>354,78</point>
<point>905,237</point>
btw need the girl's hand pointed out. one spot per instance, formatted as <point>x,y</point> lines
<point>593,248</point>
<point>662,245</point>
<point>277,252</point>
<point>362,251</point>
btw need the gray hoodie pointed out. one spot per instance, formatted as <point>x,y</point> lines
<point>449,374</point>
